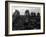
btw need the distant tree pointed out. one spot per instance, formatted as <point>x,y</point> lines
<point>38,14</point>
<point>15,17</point>
<point>16,13</point>
<point>27,12</point>
<point>38,17</point>
<point>33,14</point>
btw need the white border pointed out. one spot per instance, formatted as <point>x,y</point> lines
<point>23,31</point>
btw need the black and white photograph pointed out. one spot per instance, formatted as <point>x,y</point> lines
<point>24,18</point>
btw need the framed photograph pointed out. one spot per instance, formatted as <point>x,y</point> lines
<point>24,18</point>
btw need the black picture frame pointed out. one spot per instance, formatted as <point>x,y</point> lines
<point>6,18</point>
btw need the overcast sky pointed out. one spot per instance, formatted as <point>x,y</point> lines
<point>22,9</point>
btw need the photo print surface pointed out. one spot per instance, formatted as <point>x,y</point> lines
<point>25,18</point>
